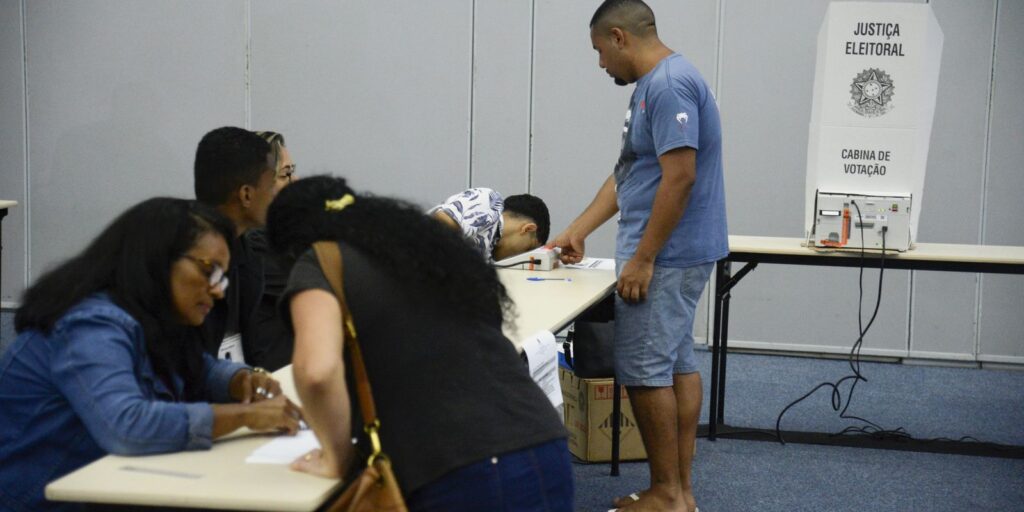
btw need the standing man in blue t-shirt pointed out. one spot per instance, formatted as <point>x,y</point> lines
<point>668,190</point>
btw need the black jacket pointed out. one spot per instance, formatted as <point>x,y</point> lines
<point>255,283</point>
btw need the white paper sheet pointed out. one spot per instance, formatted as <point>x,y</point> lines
<point>595,264</point>
<point>542,356</point>
<point>284,449</point>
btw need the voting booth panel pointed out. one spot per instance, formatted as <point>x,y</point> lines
<point>875,84</point>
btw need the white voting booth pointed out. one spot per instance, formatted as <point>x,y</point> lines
<point>875,84</point>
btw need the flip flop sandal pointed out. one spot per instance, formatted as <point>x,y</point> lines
<point>632,496</point>
<point>635,497</point>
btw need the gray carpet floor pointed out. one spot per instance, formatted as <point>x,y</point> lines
<point>734,475</point>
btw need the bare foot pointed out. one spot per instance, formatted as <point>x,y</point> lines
<point>626,501</point>
<point>691,502</point>
<point>655,501</point>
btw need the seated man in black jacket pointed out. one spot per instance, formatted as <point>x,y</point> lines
<point>235,172</point>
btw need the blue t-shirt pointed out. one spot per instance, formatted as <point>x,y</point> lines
<point>672,107</point>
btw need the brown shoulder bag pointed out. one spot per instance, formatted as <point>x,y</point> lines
<point>376,487</point>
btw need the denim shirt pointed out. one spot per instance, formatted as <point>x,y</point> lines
<point>87,390</point>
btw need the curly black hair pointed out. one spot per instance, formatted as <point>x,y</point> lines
<point>420,252</point>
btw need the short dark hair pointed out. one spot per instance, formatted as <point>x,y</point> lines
<point>533,208</point>
<point>226,159</point>
<point>633,16</point>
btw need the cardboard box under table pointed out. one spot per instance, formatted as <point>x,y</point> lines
<point>588,416</point>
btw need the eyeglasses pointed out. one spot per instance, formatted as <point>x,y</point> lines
<point>217,279</point>
<point>286,173</point>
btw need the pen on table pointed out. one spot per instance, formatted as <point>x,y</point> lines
<point>566,279</point>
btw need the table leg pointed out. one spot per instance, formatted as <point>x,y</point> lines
<point>723,346</point>
<point>722,269</point>
<point>3,213</point>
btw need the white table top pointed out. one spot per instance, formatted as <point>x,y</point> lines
<point>220,478</point>
<point>551,305</point>
<point>215,478</point>
<point>919,252</point>
<point>4,204</point>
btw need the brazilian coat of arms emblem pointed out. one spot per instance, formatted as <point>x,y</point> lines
<point>871,93</point>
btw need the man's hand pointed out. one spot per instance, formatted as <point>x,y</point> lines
<point>634,280</point>
<point>571,245</point>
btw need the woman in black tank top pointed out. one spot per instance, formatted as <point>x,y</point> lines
<point>464,424</point>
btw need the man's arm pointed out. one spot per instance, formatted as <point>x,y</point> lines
<point>678,174</point>
<point>571,241</point>
<point>447,220</point>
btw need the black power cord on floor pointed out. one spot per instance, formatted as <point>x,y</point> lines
<point>870,428</point>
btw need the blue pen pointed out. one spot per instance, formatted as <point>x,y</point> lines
<point>566,279</point>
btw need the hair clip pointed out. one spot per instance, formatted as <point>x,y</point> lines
<point>337,205</point>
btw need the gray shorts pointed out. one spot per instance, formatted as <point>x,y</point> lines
<point>654,338</point>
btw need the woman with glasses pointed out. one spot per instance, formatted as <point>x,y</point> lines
<point>285,165</point>
<point>108,361</point>
<point>267,332</point>
<point>465,426</point>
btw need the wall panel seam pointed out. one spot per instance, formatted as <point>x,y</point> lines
<point>26,205</point>
<point>529,121</point>
<point>719,51</point>
<point>988,125</point>
<point>248,64</point>
<point>472,91</point>
<point>986,162</point>
<point>717,87</point>
<point>910,310</point>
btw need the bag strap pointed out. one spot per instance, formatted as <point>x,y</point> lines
<point>329,257</point>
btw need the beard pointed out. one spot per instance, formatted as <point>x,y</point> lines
<point>620,82</point>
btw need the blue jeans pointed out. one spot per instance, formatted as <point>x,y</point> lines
<point>654,338</point>
<point>532,479</point>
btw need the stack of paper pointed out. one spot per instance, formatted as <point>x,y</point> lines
<point>595,264</point>
<point>542,356</point>
<point>284,449</point>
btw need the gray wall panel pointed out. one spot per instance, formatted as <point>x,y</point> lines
<point>12,147</point>
<point>1002,305</point>
<point>690,27</point>
<point>119,97</point>
<point>767,79</point>
<point>502,51</point>
<point>577,117</point>
<point>944,315</point>
<point>816,308</point>
<point>385,104</point>
<point>1001,329</point>
<point>509,95</point>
